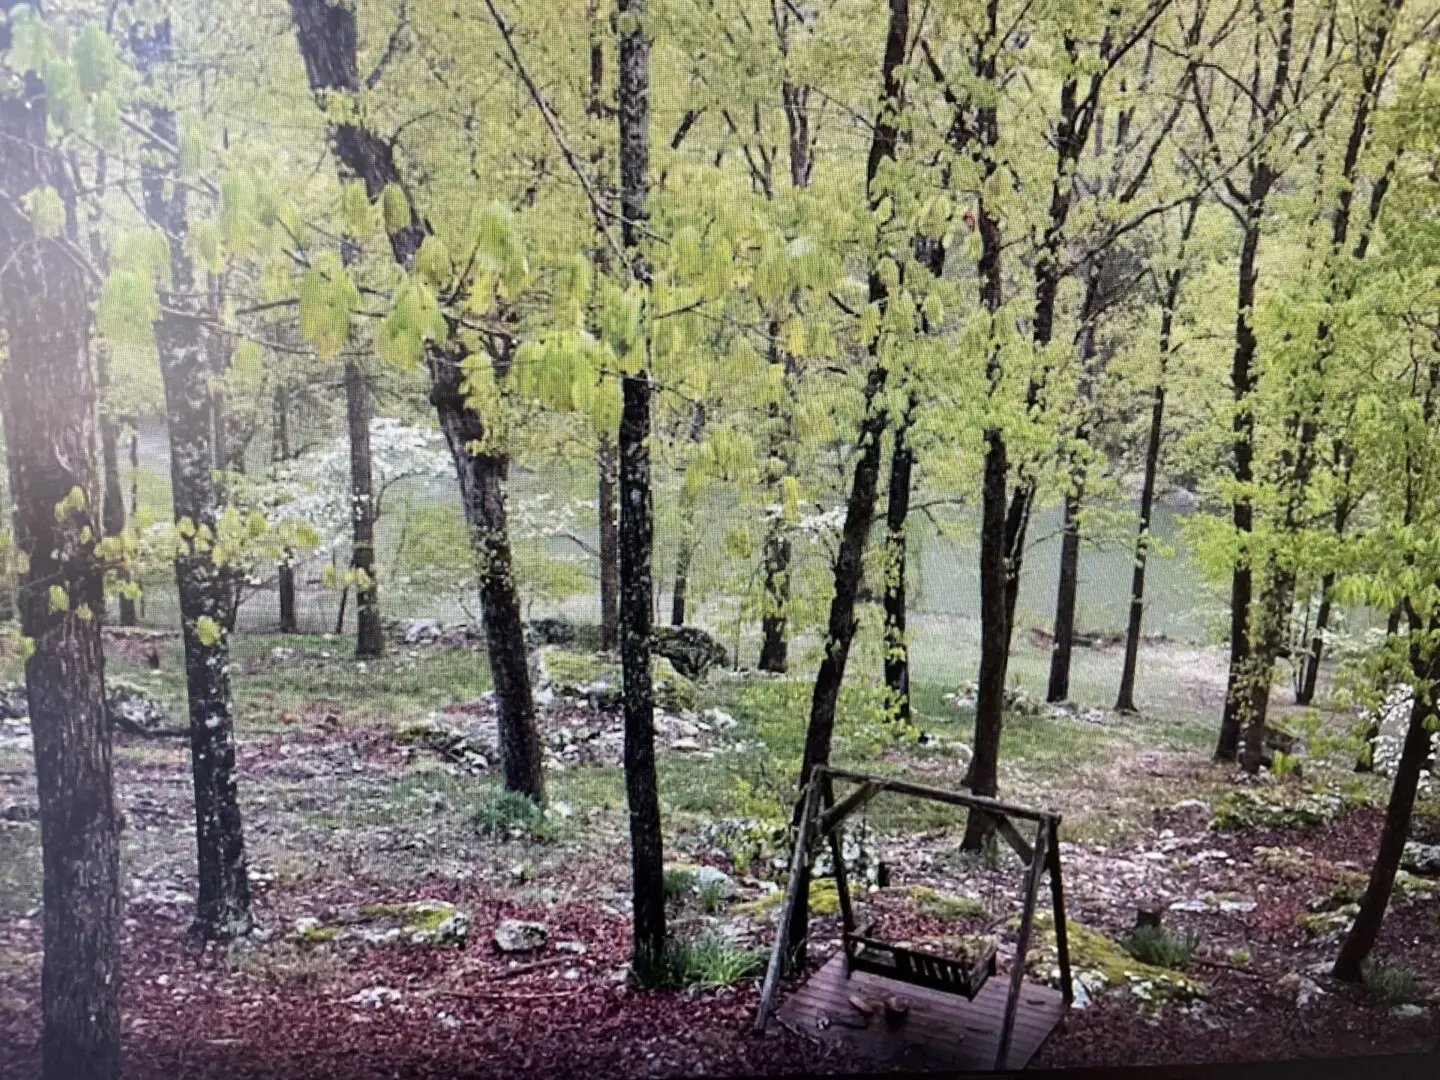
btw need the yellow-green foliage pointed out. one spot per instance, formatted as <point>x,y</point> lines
<point>824,900</point>
<point>1100,963</point>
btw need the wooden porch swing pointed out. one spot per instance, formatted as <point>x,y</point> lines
<point>951,991</point>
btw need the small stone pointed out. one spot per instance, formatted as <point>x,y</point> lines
<point>514,936</point>
<point>1410,1012</point>
<point>709,878</point>
<point>1420,859</point>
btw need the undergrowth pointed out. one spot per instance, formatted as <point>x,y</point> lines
<point>1160,947</point>
<point>1392,985</point>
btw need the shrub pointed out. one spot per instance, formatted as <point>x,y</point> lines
<point>509,814</point>
<point>707,961</point>
<point>1393,985</point>
<point>678,880</point>
<point>1159,947</point>
<point>712,895</point>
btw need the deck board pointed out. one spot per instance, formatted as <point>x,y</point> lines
<point>942,1031</point>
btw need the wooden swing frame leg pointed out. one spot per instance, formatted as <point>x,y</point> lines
<point>792,892</point>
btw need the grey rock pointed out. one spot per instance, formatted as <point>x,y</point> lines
<point>1420,859</point>
<point>711,878</point>
<point>515,936</point>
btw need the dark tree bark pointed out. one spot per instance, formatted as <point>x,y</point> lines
<point>48,402</point>
<point>207,600</point>
<point>482,490</point>
<point>7,567</point>
<point>1242,448</point>
<point>1425,664</point>
<point>996,608</point>
<point>114,501</point>
<point>1310,672</point>
<point>1068,588</point>
<point>897,509</point>
<point>774,641</point>
<point>327,37</point>
<point>607,467</point>
<point>1125,701</point>
<point>637,517</point>
<point>860,507</point>
<point>683,558</point>
<point>280,453</point>
<point>688,532</point>
<point>369,636</point>
<point>1058,687</point>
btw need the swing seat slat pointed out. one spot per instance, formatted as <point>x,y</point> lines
<point>918,967</point>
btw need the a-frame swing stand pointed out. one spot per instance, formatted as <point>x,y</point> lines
<point>958,1018</point>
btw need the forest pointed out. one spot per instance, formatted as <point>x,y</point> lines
<point>480,478</point>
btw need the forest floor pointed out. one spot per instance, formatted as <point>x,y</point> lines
<point>348,803</point>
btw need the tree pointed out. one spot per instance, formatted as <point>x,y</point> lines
<point>1174,277</point>
<point>860,505</point>
<point>207,588</point>
<point>49,400</point>
<point>636,510</point>
<point>369,635</point>
<point>327,36</point>
<point>1297,460</point>
<point>280,454</point>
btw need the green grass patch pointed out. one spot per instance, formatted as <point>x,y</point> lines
<point>705,962</point>
<point>1159,947</point>
<point>509,815</point>
<point>1391,984</point>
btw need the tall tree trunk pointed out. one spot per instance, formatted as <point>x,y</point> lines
<point>7,551</point>
<point>1068,587</point>
<point>860,507</point>
<point>114,501</point>
<point>1058,688</point>
<point>683,558</point>
<point>369,636</point>
<point>607,468</point>
<point>777,550</point>
<point>206,590</point>
<point>1125,701</point>
<point>688,529</point>
<point>996,605</point>
<point>1425,664</point>
<point>280,453</point>
<point>327,37</point>
<point>774,641</point>
<point>135,493</point>
<point>482,490</point>
<point>637,517</point>
<point>1310,671</point>
<point>1242,515</point>
<point>49,408</point>
<point>897,509</point>
<point>982,777</point>
<point>641,786</point>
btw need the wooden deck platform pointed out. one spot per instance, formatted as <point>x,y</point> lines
<point>942,1031</point>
